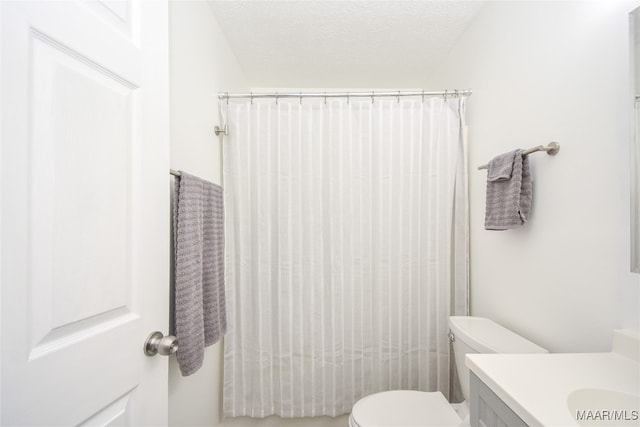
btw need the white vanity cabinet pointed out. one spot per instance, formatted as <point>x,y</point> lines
<point>557,389</point>
<point>487,409</point>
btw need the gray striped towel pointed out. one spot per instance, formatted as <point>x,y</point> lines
<point>199,301</point>
<point>509,191</point>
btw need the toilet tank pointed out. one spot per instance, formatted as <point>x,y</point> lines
<point>481,335</point>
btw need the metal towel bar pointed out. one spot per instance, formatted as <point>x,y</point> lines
<point>551,149</point>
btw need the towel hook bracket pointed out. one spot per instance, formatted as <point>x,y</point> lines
<point>553,148</point>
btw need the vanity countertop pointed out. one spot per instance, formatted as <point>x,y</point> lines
<point>536,386</point>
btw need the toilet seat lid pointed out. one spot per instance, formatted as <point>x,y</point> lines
<point>404,408</point>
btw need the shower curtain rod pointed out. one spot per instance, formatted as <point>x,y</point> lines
<point>218,130</point>
<point>251,95</point>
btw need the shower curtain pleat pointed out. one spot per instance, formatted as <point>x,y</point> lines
<point>347,250</point>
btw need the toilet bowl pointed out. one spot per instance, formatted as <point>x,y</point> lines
<point>403,408</point>
<point>418,408</point>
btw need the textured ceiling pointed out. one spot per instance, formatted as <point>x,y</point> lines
<point>341,43</point>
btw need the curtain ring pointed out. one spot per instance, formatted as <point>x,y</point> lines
<point>300,95</point>
<point>251,97</point>
<point>325,98</point>
<point>398,97</point>
<point>423,96</point>
<point>457,93</point>
<point>276,98</point>
<point>372,97</point>
<point>227,98</point>
<point>348,98</point>
<point>445,94</point>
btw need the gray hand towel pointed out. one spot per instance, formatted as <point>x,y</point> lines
<point>509,191</point>
<point>199,301</point>
<point>501,167</point>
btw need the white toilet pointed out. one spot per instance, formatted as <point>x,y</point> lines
<point>419,408</point>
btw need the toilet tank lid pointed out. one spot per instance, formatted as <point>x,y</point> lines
<point>486,336</point>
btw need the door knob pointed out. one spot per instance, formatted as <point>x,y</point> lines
<point>157,343</point>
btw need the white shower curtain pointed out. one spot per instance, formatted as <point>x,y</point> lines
<point>346,228</point>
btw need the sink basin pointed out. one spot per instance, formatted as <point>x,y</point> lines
<point>600,407</point>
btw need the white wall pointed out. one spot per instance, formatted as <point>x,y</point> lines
<point>201,65</point>
<point>541,72</point>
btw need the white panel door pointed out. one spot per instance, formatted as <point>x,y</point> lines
<point>84,211</point>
